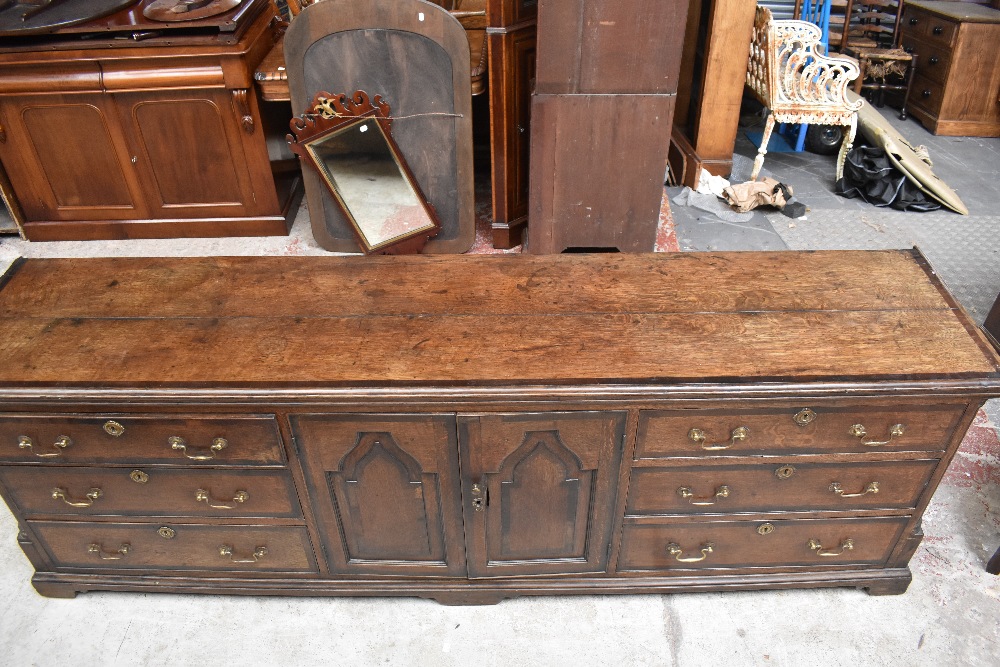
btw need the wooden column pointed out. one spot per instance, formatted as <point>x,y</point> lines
<point>602,109</point>
<point>713,72</point>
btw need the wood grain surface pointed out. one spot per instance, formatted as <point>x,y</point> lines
<point>347,321</point>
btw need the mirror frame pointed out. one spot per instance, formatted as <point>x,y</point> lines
<point>330,114</point>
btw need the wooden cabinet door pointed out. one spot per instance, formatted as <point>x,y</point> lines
<point>188,152</point>
<point>539,491</point>
<point>66,158</point>
<point>385,490</point>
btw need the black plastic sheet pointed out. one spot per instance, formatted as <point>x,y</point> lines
<point>869,175</point>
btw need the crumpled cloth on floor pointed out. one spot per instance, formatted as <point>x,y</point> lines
<point>748,196</point>
<point>870,175</point>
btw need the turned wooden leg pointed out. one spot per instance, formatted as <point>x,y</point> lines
<point>845,147</point>
<point>762,151</point>
<point>909,84</point>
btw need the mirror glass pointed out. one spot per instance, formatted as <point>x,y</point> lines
<point>362,171</point>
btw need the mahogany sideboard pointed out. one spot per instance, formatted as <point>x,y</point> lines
<point>656,423</point>
<point>110,132</point>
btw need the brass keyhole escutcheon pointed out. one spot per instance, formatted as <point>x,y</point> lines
<point>138,476</point>
<point>765,529</point>
<point>113,428</point>
<point>166,532</point>
<point>804,416</point>
<point>784,472</point>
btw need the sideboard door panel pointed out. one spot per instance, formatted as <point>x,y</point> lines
<point>539,491</point>
<point>189,152</point>
<point>64,160</point>
<point>385,491</point>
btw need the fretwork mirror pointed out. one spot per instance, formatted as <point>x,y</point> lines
<point>348,141</point>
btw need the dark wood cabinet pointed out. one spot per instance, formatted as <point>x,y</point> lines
<point>658,423</point>
<point>160,138</point>
<point>956,89</point>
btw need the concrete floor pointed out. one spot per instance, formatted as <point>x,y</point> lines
<point>949,616</point>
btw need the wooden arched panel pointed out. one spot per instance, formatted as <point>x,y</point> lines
<point>544,498</point>
<point>386,491</point>
<point>539,490</point>
<point>380,496</point>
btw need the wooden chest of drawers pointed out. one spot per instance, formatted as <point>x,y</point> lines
<point>956,90</point>
<point>343,426</point>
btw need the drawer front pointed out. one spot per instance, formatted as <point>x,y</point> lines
<point>800,430</point>
<point>933,62</point>
<point>778,487</point>
<point>927,94</point>
<point>736,544</point>
<point>80,491</point>
<point>933,28</point>
<point>125,546</point>
<point>133,439</point>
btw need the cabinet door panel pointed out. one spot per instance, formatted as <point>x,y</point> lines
<point>63,159</point>
<point>539,491</point>
<point>189,152</point>
<point>386,491</point>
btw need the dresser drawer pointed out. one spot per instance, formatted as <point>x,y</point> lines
<point>775,487</point>
<point>933,62</point>
<point>801,430</point>
<point>927,94</point>
<point>736,544</point>
<point>928,26</point>
<point>150,491</point>
<point>135,439</point>
<point>158,546</point>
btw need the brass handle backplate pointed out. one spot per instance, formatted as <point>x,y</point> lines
<point>61,443</point>
<point>861,433</point>
<point>872,488</point>
<point>113,428</point>
<point>479,496</point>
<point>784,472</point>
<point>202,496</point>
<point>178,443</point>
<point>675,550</point>
<point>817,546</point>
<point>804,416</point>
<point>121,553</point>
<point>686,493</point>
<point>698,436</point>
<point>227,551</point>
<point>62,494</point>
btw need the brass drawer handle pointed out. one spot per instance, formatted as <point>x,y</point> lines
<point>686,493</point>
<point>122,552</point>
<point>178,443</point>
<point>859,432</point>
<point>62,442</point>
<point>202,496</point>
<point>675,550</point>
<point>698,436</point>
<point>227,551</point>
<point>816,546</point>
<point>60,493</point>
<point>871,488</point>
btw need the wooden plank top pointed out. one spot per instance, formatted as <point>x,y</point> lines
<point>836,316</point>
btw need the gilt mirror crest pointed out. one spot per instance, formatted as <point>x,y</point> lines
<point>348,140</point>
